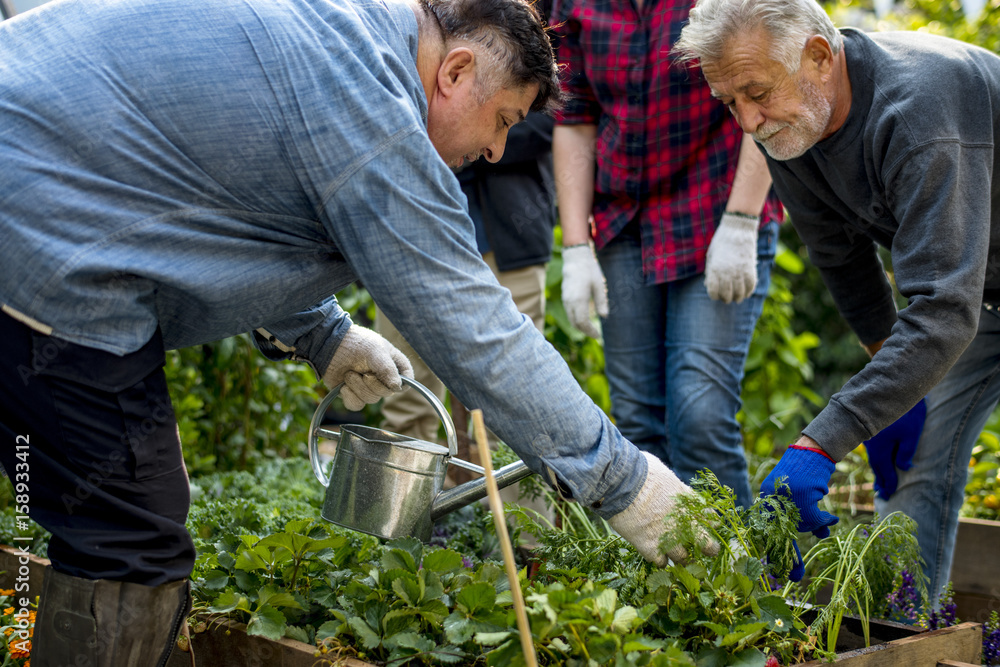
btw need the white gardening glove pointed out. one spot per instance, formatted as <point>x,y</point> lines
<point>642,522</point>
<point>368,366</point>
<point>731,265</point>
<point>582,282</point>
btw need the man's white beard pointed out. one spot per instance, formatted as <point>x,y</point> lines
<point>785,141</point>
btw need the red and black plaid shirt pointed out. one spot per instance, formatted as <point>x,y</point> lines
<point>666,149</point>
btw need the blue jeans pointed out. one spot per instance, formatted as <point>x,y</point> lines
<point>674,359</point>
<point>933,490</point>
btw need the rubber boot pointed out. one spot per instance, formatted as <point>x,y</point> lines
<point>103,623</point>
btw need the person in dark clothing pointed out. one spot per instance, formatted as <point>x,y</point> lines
<point>890,139</point>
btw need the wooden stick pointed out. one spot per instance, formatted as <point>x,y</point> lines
<point>500,520</point>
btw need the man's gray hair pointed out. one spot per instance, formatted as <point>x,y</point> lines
<point>790,23</point>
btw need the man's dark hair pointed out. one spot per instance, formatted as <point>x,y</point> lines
<point>513,34</point>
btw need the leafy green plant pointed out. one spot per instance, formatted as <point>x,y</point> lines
<point>982,491</point>
<point>234,407</point>
<point>860,568</point>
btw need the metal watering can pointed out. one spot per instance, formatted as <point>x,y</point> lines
<point>390,485</point>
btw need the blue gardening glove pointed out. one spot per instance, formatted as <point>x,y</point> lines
<point>893,447</point>
<point>799,567</point>
<point>807,473</point>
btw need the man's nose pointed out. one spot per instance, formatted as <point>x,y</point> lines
<point>748,115</point>
<point>494,151</point>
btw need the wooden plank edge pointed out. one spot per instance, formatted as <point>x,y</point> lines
<point>963,642</point>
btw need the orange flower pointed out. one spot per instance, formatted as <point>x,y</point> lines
<point>8,611</point>
<point>20,649</point>
<point>6,591</point>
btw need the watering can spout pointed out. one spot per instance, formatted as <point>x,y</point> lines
<point>469,492</point>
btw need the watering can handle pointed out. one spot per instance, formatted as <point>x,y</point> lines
<point>316,430</point>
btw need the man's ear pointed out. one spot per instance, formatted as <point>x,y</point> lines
<point>819,54</point>
<point>457,69</point>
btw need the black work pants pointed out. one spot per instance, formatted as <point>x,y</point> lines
<point>93,437</point>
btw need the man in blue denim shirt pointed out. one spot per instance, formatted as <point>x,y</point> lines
<point>177,171</point>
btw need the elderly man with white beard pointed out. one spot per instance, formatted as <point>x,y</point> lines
<point>888,139</point>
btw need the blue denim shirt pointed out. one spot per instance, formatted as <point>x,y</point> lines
<point>211,167</point>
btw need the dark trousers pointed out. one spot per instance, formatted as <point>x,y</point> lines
<point>102,468</point>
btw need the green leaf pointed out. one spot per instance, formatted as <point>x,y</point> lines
<point>267,622</point>
<point>625,618</point>
<point>492,638</point>
<point>712,657</point>
<point>282,540</point>
<point>431,583</point>
<point>750,657</point>
<point>270,595</point>
<point>368,637</point>
<point>433,610</point>
<point>776,613</point>
<point>403,553</point>
<point>606,601</point>
<point>246,581</point>
<point>688,580</point>
<point>602,648</point>
<point>451,655</point>
<point>458,629</point>
<point>250,560</point>
<point>707,599</point>
<point>674,656</point>
<point>657,579</point>
<point>506,655</point>
<point>297,633</point>
<point>476,597</point>
<point>444,560</point>
<point>717,628</point>
<point>680,614</point>
<point>229,601</point>
<point>400,620</point>
<point>641,643</point>
<point>409,589</point>
<point>215,580</point>
<point>741,632</point>
<point>329,629</point>
<point>789,261</point>
<point>413,640</point>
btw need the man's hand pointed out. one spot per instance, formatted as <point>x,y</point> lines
<point>731,264</point>
<point>642,522</point>
<point>582,282</point>
<point>807,473</point>
<point>893,447</point>
<point>368,366</point>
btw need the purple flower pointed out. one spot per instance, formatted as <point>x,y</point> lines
<point>943,614</point>
<point>991,640</point>
<point>903,603</point>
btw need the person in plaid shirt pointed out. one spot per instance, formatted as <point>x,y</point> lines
<point>657,173</point>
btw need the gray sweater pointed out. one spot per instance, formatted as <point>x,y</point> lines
<point>911,169</point>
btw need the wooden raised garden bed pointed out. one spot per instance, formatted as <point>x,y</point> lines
<point>226,644</point>
<point>975,572</point>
